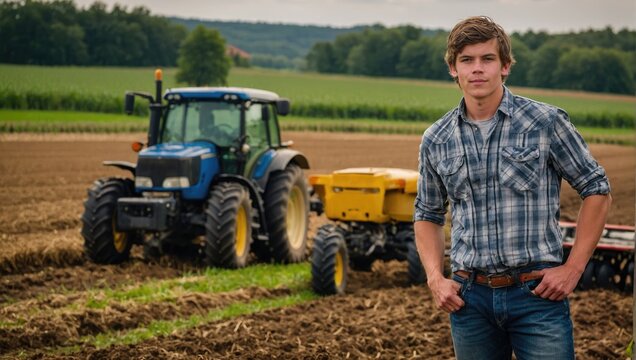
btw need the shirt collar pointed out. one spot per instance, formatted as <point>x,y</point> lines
<point>505,106</point>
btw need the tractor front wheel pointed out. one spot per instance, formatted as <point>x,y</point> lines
<point>228,228</point>
<point>287,215</point>
<point>329,262</point>
<point>103,243</point>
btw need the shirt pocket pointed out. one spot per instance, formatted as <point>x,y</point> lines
<point>454,174</point>
<point>519,168</point>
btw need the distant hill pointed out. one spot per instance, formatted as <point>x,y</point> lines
<point>271,45</point>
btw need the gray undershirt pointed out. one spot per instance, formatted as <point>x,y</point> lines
<point>484,126</point>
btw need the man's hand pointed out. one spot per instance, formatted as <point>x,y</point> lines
<point>558,282</point>
<point>446,294</point>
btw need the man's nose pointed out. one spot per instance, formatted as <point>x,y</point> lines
<point>478,66</point>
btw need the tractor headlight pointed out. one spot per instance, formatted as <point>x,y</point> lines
<point>143,182</point>
<point>176,182</point>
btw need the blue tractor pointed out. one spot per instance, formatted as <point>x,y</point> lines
<point>214,177</point>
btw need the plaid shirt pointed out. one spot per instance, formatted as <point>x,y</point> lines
<point>504,189</point>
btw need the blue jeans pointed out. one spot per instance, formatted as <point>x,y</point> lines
<point>496,322</point>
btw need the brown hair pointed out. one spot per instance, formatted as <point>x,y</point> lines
<point>475,30</point>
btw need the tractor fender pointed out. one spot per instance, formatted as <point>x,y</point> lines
<point>255,195</point>
<point>280,161</point>
<point>124,165</point>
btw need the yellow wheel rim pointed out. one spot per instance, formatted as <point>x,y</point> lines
<point>241,232</point>
<point>295,219</point>
<point>120,238</point>
<point>339,273</point>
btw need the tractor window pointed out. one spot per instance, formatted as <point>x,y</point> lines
<point>273,127</point>
<point>213,121</point>
<point>255,128</point>
<point>172,130</point>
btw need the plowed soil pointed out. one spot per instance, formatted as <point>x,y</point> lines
<point>43,182</point>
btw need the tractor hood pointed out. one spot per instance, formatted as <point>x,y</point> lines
<point>167,167</point>
<point>178,151</point>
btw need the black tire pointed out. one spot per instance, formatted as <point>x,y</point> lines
<point>103,244</point>
<point>628,278</point>
<point>96,186</point>
<point>361,263</point>
<point>605,276</point>
<point>329,263</point>
<point>587,279</point>
<point>417,275</point>
<point>228,230</point>
<point>287,215</point>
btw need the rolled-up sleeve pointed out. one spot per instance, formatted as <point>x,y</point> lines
<point>431,202</point>
<point>573,161</point>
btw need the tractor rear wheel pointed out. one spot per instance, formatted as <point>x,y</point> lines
<point>329,262</point>
<point>228,229</point>
<point>103,244</point>
<point>287,215</point>
<point>415,268</point>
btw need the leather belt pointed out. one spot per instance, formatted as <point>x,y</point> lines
<point>500,280</point>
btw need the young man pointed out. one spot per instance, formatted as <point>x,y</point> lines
<point>498,160</point>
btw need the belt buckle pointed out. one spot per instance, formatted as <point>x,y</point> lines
<point>491,276</point>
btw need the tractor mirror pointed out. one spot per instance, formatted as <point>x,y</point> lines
<point>282,106</point>
<point>129,103</point>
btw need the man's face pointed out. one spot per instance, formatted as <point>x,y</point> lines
<point>478,69</point>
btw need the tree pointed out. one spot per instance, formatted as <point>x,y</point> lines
<point>519,72</point>
<point>342,47</point>
<point>601,70</point>
<point>202,59</point>
<point>424,58</point>
<point>414,58</point>
<point>321,58</point>
<point>544,64</point>
<point>377,54</point>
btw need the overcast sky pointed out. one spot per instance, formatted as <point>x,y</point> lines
<point>513,15</point>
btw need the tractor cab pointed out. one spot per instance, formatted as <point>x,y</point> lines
<point>240,124</point>
<point>206,132</point>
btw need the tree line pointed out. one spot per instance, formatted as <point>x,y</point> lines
<point>591,60</point>
<point>58,33</point>
<point>271,45</point>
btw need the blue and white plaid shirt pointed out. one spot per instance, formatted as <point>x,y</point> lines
<point>504,190</point>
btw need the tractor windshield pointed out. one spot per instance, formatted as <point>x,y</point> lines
<point>215,121</point>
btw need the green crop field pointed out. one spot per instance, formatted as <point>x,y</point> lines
<point>314,95</point>
<point>35,121</point>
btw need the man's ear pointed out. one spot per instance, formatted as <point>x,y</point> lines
<point>505,69</point>
<point>452,70</point>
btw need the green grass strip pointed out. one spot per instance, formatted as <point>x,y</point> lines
<point>371,126</point>
<point>209,281</point>
<point>164,327</point>
<point>213,280</point>
<point>46,116</point>
<point>34,121</point>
